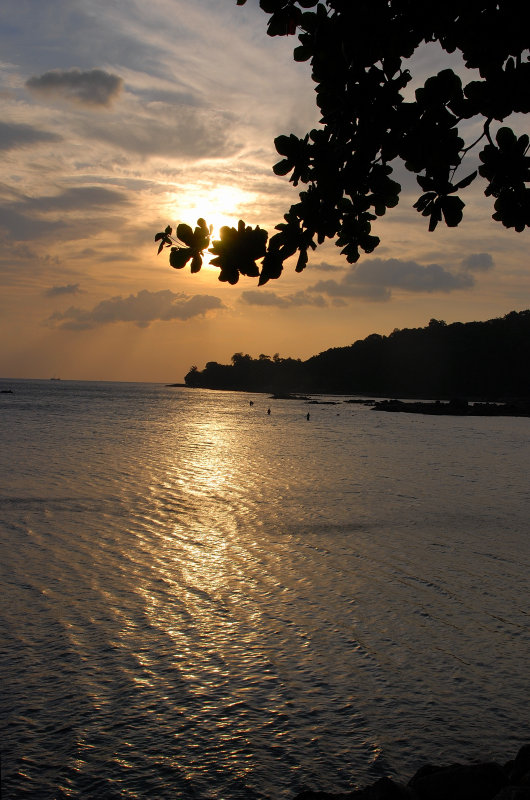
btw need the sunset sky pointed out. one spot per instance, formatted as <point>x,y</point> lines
<point>122,116</point>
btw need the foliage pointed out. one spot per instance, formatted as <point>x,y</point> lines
<point>473,359</point>
<point>358,53</point>
<point>192,244</point>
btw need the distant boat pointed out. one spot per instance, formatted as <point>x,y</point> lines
<point>55,379</point>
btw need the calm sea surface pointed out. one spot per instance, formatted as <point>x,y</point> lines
<point>204,601</point>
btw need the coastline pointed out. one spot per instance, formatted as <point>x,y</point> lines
<point>457,406</point>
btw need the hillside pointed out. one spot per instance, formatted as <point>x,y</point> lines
<point>488,360</point>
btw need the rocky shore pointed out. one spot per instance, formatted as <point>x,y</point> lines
<point>480,781</point>
<point>457,407</point>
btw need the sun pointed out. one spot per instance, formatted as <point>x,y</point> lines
<point>218,205</point>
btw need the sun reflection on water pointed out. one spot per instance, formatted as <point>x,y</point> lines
<point>198,553</point>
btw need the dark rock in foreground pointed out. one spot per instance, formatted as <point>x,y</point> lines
<point>483,781</point>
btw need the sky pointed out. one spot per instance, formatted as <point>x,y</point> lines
<point>120,117</point>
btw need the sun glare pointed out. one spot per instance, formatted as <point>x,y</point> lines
<point>218,205</point>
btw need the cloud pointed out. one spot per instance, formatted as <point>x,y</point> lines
<point>94,88</point>
<point>374,279</point>
<point>344,288</point>
<point>409,275</point>
<point>23,265</point>
<point>262,298</point>
<point>168,97</point>
<point>78,198</point>
<point>140,309</point>
<point>479,262</point>
<point>22,228</point>
<point>27,218</point>
<point>325,267</point>
<point>58,291</point>
<point>15,134</point>
<point>169,131</point>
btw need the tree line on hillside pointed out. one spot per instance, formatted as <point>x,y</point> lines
<point>474,359</point>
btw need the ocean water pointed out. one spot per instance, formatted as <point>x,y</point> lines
<point>201,600</point>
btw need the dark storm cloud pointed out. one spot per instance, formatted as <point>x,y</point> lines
<point>94,88</point>
<point>15,134</point>
<point>478,262</point>
<point>262,298</point>
<point>59,291</point>
<point>140,309</point>
<point>374,279</point>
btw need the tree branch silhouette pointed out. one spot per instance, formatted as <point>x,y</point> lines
<point>358,54</point>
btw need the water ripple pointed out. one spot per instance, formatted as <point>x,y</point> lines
<point>205,602</point>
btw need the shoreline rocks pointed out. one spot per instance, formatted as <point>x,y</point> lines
<point>480,781</point>
<point>456,407</point>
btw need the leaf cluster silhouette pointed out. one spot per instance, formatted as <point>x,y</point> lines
<point>474,359</point>
<point>359,54</point>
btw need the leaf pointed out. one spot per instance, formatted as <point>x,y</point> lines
<point>185,234</point>
<point>283,145</point>
<point>425,181</point>
<point>302,53</point>
<point>201,237</point>
<point>228,275</point>
<point>163,238</point>
<point>238,250</point>
<point>301,264</point>
<point>423,202</point>
<point>452,210</point>
<point>369,243</point>
<point>523,143</point>
<point>466,181</point>
<point>506,138</point>
<point>435,214</point>
<point>270,6</point>
<point>271,268</point>
<point>179,257</point>
<point>196,263</point>
<point>282,167</point>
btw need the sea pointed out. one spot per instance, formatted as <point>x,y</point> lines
<point>206,601</point>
